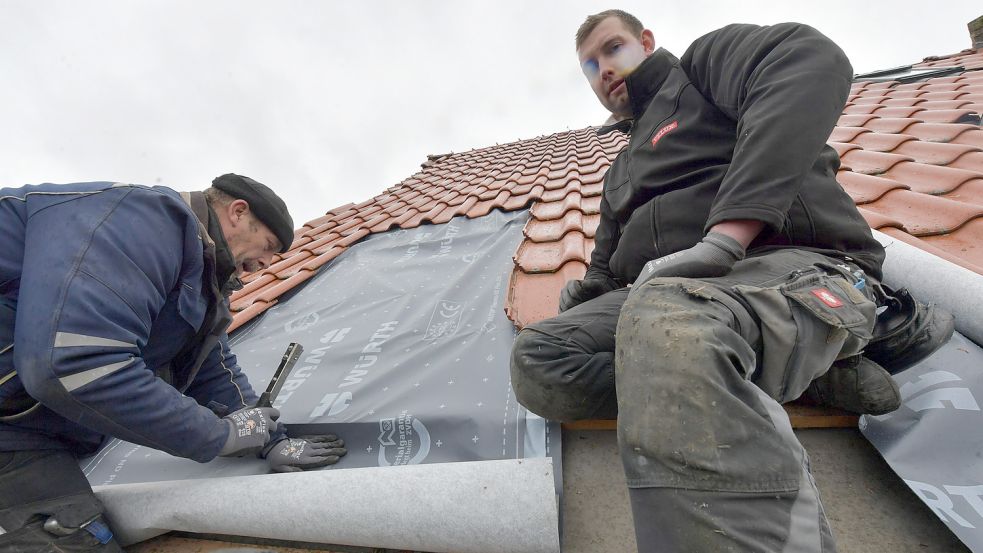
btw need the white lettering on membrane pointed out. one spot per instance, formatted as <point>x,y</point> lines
<point>369,357</point>
<point>917,397</point>
<point>333,403</point>
<point>447,242</point>
<point>939,500</point>
<point>311,363</point>
<point>414,248</point>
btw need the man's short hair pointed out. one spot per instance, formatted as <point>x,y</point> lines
<point>216,197</point>
<point>630,22</point>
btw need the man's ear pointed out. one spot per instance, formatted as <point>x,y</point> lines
<point>648,41</point>
<point>236,210</point>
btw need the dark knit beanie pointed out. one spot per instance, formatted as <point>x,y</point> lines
<point>263,202</point>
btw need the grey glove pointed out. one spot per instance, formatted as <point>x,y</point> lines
<point>577,292</point>
<point>309,452</point>
<point>713,256</point>
<point>249,430</point>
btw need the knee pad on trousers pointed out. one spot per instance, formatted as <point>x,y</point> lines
<point>558,383</point>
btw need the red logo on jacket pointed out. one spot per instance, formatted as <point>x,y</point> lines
<point>827,297</point>
<point>664,131</point>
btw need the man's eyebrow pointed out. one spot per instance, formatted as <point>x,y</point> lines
<point>607,43</point>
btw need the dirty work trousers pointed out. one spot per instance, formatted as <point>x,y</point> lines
<point>37,485</point>
<point>695,371</point>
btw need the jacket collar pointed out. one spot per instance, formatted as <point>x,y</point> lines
<point>642,85</point>
<point>215,245</point>
<point>647,79</point>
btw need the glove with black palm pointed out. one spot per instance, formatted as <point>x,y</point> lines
<point>249,430</point>
<point>305,453</point>
<point>714,256</point>
<point>577,292</point>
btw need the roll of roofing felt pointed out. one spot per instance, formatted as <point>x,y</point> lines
<point>484,506</point>
<point>932,279</point>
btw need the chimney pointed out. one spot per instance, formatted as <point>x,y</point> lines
<point>976,32</point>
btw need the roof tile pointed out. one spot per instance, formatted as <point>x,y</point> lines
<point>871,163</point>
<point>865,189</point>
<point>925,215</point>
<point>547,257</point>
<point>929,179</point>
<point>933,153</point>
<point>970,192</point>
<point>555,229</point>
<point>880,142</point>
<point>938,132</point>
<point>893,125</point>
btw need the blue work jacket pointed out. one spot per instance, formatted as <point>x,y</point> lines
<point>111,322</point>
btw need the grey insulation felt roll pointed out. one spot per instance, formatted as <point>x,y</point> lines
<point>484,506</point>
<point>932,279</point>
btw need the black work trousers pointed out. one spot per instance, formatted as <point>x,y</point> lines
<point>36,486</point>
<point>695,370</point>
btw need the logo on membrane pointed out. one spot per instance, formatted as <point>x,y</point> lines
<point>302,323</point>
<point>403,440</point>
<point>445,320</point>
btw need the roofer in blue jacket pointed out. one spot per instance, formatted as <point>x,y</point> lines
<point>753,280</point>
<point>113,317</point>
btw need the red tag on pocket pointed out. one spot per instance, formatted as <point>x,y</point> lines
<point>827,297</point>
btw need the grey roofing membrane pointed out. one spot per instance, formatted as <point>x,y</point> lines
<point>406,358</point>
<point>933,442</point>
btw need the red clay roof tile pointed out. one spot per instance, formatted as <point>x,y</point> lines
<point>930,179</point>
<point>923,214</point>
<point>938,132</point>
<point>893,125</point>
<point>865,189</point>
<point>547,257</point>
<point>846,134</point>
<point>880,142</point>
<point>553,230</point>
<point>871,163</point>
<point>970,192</point>
<point>928,245</point>
<point>933,153</point>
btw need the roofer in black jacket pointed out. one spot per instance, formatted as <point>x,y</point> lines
<point>751,273</point>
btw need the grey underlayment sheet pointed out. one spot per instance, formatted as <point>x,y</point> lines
<point>406,357</point>
<point>934,442</point>
<point>476,507</point>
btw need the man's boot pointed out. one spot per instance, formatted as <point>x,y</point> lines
<point>855,384</point>
<point>907,331</point>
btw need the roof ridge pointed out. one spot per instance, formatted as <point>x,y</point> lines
<point>964,52</point>
<point>472,151</point>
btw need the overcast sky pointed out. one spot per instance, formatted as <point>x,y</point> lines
<point>331,102</point>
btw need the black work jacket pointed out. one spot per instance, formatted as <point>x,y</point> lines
<point>736,129</point>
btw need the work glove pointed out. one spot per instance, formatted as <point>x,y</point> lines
<point>577,292</point>
<point>309,452</point>
<point>714,256</point>
<point>249,430</point>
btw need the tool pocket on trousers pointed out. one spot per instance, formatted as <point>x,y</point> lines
<point>807,323</point>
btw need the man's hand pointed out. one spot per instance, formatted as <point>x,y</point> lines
<point>714,256</point>
<point>578,291</point>
<point>309,452</point>
<point>249,430</point>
